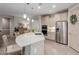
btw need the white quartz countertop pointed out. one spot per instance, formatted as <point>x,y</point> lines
<point>28,39</point>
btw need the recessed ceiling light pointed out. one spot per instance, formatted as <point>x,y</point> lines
<point>54,6</point>
<point>39,7</point>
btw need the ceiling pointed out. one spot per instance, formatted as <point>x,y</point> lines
<point>18,9</point>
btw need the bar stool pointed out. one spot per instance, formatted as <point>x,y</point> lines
<point>10,49</point>
<point>5,42</point>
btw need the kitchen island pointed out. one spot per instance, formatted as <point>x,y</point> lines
<point>33,43</point>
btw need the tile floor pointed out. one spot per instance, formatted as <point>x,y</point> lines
<point>53,48</point>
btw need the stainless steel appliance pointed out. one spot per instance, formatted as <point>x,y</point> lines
<point>62,32</point>
<point>44,29</point>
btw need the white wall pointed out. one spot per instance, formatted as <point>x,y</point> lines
<point>11,26</point>
<point>14,23</point>
<point>19,20</point>
<point>37,23</point>
<point>0,23</point>
<point>73,30</point>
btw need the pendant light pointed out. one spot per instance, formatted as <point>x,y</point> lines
<point>32,20</point>
<point>25,15</point>
<point>39,5</point>
<point>28,19</point>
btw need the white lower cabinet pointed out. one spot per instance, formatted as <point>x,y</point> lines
<point>50,36</point>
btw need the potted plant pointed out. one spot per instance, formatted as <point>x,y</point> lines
<point>33,30</point>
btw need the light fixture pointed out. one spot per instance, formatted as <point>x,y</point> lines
<point>3,20</point>
<point>39,7</point>
<point>28,19</point>
<point>32,20</point>
<point>54,6</point>
<point>24,16</point>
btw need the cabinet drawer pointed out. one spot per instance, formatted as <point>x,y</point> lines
<point>51,36</point>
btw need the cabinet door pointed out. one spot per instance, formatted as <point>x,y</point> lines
<point>51,36</point>
<point>6,25</point>
<point>63,16</point>
<point>44,20</point>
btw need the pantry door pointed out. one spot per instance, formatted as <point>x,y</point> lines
<point>6,26</point>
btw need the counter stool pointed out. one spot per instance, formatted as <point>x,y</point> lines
<point>10,49</point>
<point>13,50</point>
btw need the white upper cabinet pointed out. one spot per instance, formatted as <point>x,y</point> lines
<point>50,20</point>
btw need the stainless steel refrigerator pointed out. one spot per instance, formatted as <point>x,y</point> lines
<point>62,32</point>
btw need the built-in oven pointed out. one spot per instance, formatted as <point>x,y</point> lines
<point>44,29</point>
